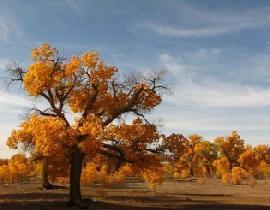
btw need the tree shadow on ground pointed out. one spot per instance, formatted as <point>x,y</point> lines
<point>58,201</point>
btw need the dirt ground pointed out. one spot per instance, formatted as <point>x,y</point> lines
<point>135,195</point>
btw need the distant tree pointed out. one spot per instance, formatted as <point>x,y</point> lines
<point>189,160</point>
<point>263,153</point>
<point>222,166</point>
<point>205,155</point>
<point>231,147</point>
<point>20,168</point>
<point>16,169</point>
<point>4,174</point>
<point>249,161</point>
<point>174,146</point>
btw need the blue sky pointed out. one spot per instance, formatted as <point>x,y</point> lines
<point>216,54</point>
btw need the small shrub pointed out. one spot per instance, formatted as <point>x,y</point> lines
<point>238,174</point>
<point>252,181</point>
<point>177,175</point>
<point>227,179</point>
<point>185,174</point>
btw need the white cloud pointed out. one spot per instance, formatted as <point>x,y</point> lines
<point>252,124</point>
<point>214,122</point>
<point>5,152</point>
<point>12,99</point>
<point>174,65</point>
<point>218,94</point>
<point>12,107</point>
<point>209,92</point>
<point>5,130</point>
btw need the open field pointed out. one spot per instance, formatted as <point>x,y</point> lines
<point>136,195</point>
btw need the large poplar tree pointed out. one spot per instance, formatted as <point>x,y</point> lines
<point>81,100</point>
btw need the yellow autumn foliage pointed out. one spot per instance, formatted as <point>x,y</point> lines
<point>222,166</point>
<point>238,174</point>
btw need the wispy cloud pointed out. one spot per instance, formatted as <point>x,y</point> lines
<point>167,30</point>
<point>256,67</point>
<point>210,23</point>
<point>4,30</point>
<point>74,5</point>
<point>8,26</point>
<point>175,65</point>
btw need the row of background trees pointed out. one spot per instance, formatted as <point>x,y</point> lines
<point>227,158</point>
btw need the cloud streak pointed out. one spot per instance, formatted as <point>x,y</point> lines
<point>8,25</point>
<point>169,30</point>
<point>208,23</point>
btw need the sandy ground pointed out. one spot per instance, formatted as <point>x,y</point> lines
<point>133,195</point>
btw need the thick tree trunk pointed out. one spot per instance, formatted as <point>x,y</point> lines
<point>117,164</point>
<point>191,172</point>
<point>208,170</point>
<point>44,174</point>
<point>75,198</point>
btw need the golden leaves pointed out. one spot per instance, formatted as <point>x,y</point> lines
<point>238,174</point>
<point>153,177</point>
<point>98,172</point>
<point>80,79</point>
<point>48,134</point>
<point>18,136</point>
<point>226,178</point>
<point>222,166</point>
<point>4,174</point>
<point>92,126</point>
<point>231,146</point>
<point>235,176</point>
<point>90,59</point>
<point>17,169</point>
<point>248,159</point>
<point>264,169</point>
<point>79,99</point>
<point>202,147</point>
<point>102,73</point>
<point>151,100</point>
<point>39,77</point>
<point>137,131</point>
<point>44,52</point>
<point>73,66</point>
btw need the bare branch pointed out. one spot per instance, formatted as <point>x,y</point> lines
<point>15,73</point>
